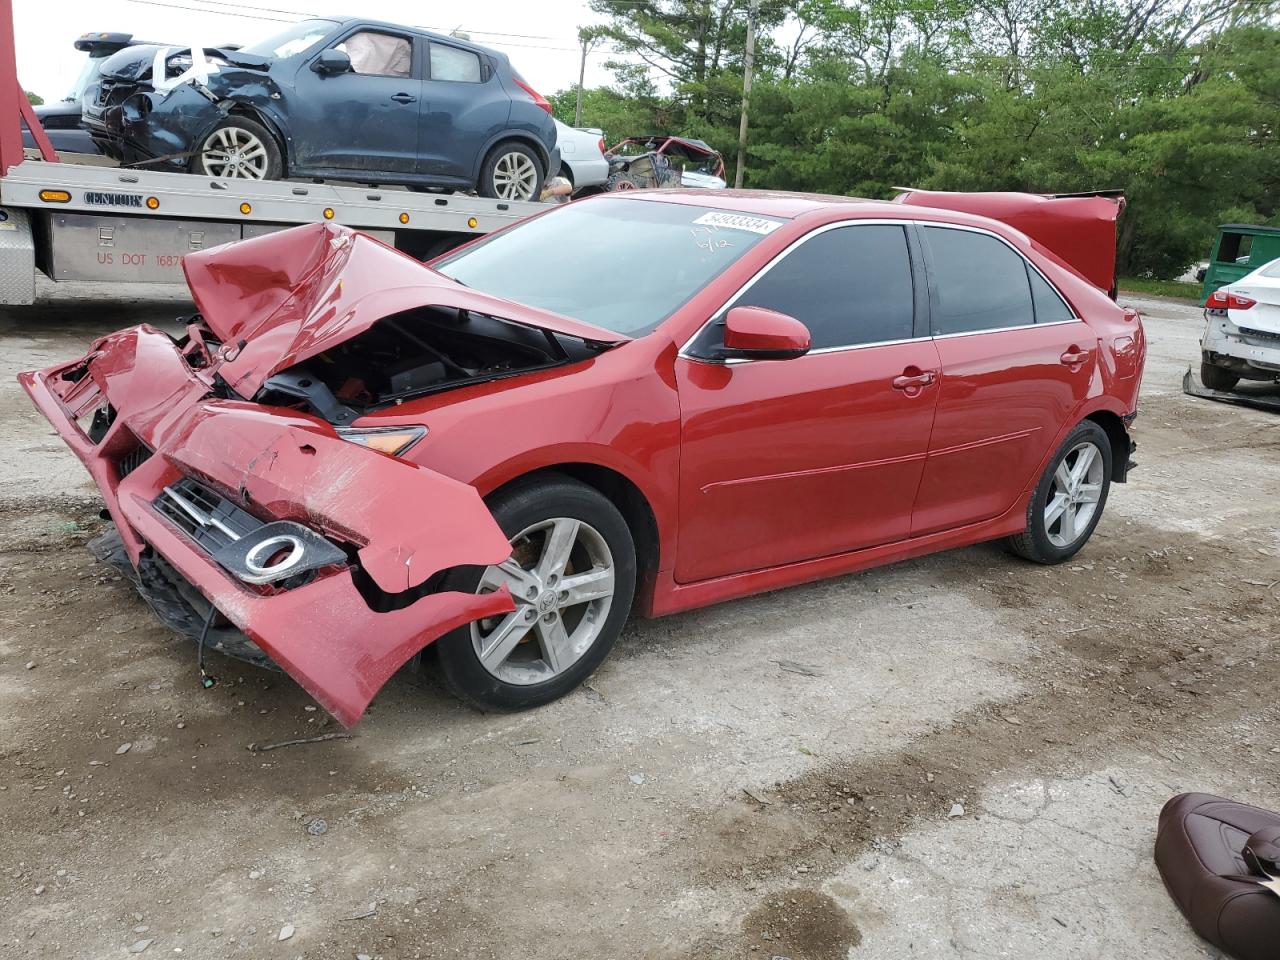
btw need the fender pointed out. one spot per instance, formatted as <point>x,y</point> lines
<point>528,139</point>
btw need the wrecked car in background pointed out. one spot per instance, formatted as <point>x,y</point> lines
<point>350,456</point>
<point>341,99</point>
<point>639,163</point>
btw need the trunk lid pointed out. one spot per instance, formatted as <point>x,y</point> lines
<point>282,298</point>
<point>1081,229</point>
<point>1264,315</point>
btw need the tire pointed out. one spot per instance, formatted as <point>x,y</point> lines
<point>626,181</point>
<point>511,171</point>
<point>239,148</point>
<point>519,669</point>
<point>1217,378</point>
<point>1047,539</point>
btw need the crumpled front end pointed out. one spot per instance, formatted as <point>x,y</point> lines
<point>326,555</point>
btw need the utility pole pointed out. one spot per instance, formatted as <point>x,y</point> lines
<point>587,39</point>
<point>746,93</point>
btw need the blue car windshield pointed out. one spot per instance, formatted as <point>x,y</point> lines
<point>292,40</point>
<point>624,265</point>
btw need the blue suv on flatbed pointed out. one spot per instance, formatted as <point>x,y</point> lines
<point>343,99</point>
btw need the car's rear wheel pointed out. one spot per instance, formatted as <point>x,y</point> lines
<point>239,148</point>
<point>1217,378</point>
<point>1068,501</point>
<point>512,171</point>
<point>572,575</point>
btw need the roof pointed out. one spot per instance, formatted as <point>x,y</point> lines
<point>773,203</point>
<point>346,20</point>
<point>1250,228</point>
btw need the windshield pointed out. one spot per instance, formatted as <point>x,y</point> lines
<point>292,40</point>
<point>624,265</point>
<point>87,73</point>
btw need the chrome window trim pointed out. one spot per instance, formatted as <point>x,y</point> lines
<point>906,224</point>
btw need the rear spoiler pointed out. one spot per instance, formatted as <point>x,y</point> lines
<point>1078,227</point>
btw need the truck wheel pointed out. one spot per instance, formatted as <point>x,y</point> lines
<point>1067,502</point>
<point>572,574</point>
<point>241,148</point>
<point>512,171</point>
<point>1217,378</point>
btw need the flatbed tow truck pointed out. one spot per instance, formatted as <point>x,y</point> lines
<point>73,221</point>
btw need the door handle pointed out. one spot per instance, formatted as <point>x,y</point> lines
<point>403,98</point>
<point>913,382</point>
<point>1073,356</point>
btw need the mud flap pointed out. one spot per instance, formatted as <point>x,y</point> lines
<point>1192,386</point>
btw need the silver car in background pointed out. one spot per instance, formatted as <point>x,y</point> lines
<point>582,159</point>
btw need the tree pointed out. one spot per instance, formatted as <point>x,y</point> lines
<point>34,98</point>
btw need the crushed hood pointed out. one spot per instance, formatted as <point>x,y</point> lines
<point>282,298</point>
<point>134,63</point>
<point>1080,229</point>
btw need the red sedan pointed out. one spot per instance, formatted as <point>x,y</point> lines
<point>646,402</point>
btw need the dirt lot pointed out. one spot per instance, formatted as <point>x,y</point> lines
<point>961,755</point>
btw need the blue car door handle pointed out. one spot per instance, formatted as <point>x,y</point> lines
<point>404,98</point>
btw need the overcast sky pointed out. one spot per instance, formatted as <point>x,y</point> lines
<point>545,50</point>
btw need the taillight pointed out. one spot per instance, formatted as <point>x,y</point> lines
<point>601,144</point>
<point>1222,300</point>
<point>538,98</point>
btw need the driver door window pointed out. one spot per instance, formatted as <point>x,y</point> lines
<point>378,54</point>
<point>850,286</point>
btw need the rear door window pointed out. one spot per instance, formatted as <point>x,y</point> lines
<point>979,283</point>
<point>850,286</point>
<point>451,63</point>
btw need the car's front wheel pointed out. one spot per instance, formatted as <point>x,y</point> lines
<point>572,575</point>
<point>1067,502</point>
<point>239,148</point>
<point>512,171</point>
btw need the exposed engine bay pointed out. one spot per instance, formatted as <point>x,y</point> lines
<point>414,353</point>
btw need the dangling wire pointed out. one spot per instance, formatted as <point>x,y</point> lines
<point>206,680</point>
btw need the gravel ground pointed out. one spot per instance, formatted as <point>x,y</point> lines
<point>969,759</point>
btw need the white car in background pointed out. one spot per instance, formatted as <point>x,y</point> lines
<point>1242,330</point>
<point>582,156</point>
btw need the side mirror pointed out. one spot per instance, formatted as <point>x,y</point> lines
<point>754,333</point>
<point>331,62</point>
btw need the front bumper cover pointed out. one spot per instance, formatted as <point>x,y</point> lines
<point>342,634</point>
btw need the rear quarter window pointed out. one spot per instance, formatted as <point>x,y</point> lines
<point>1050,307</point>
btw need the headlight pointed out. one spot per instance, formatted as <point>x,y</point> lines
<point>389,440</point>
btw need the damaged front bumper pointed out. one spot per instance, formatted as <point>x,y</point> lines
<point>138,126</point>
<point>323,553</point>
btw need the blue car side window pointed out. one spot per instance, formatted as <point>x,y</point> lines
<point>378,54</point>
<point>450,63</point>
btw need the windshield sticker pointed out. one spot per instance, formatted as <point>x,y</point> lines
<point>739,221</point>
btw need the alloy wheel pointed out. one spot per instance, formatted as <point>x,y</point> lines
<point>234,152</point>
<point>515,177</point>
<point>561,577</point>
<point>1074,494</point>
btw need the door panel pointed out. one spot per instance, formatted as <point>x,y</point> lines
<point>466,108</point>
<point>1016,364</point>
<point>353,121</point>
<point>1003,398</point>
<point>783,461</point>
